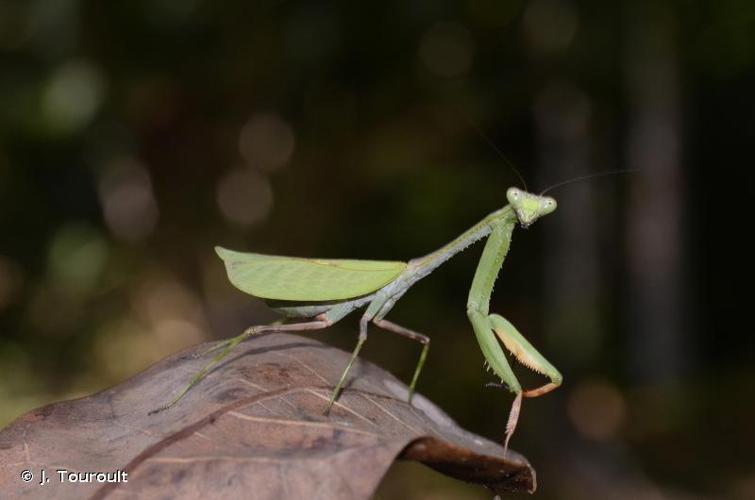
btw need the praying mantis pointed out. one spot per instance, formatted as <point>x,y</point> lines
<point>320,292</point>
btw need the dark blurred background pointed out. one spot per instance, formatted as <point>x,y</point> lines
<point>134,136</point>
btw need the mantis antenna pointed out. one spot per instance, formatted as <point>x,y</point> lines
<point>590,176</point>
<point>492,144</point>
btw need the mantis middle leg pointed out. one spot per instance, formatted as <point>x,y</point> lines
<point>375,313</point>
<point>411,334</point>
<point>404,332</point>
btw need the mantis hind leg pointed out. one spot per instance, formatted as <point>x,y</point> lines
<point>322,321</point>
<point>411,334</point>
<point>223,345</point>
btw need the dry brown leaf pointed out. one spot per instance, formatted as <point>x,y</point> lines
<point>254,428</point>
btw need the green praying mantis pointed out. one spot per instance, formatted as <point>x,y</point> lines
<point>320,292</point>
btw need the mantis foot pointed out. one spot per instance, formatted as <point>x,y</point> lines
<point>516,407</point>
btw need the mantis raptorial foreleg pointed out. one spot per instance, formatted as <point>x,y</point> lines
<point>497,362</point>
<point>525,354</point>
<point>485,324</point>
<point>523,351</point>
<point>478,305</point>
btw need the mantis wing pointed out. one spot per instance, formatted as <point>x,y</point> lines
<point>306,280</point>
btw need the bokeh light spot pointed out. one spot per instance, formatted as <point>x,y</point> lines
<point>164,299</point>
<point>550,25</point>
<point>165,316</point>
<point>175,334</point>
<point>266,142</point>
<point>597,409</point>
<point>128,203</point>
<point>73,96</point>
<point>123,347</point>
<point>244,196</point>
<point>76,259</point>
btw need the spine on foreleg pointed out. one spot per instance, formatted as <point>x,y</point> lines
<point>490,263</point>
<point>491,349</point>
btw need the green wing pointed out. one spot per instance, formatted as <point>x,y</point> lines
<point>306,280</point>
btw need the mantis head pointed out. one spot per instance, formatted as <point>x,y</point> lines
<point>529,207</point>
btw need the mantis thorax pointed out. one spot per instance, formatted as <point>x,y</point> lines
<point>529,207</point>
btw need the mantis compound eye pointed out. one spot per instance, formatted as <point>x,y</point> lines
<point>513,194</point>
<point>547,205</point>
